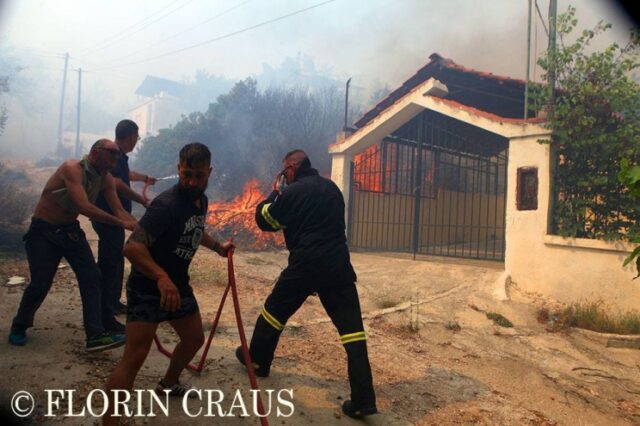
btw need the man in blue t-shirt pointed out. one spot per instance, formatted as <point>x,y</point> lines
<point>160,250</point>
<point>111,238</point>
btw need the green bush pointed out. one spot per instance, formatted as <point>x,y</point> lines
<point>595,120</point>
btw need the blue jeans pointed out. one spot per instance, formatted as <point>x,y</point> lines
<point>110,260</point>
<point>46,245</point>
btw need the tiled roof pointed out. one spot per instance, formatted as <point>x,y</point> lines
<point>497,95</point>
<point>152,86</point>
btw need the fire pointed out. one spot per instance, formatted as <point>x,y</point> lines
<point>235,219</point>
<point>368,169</point>
<point>384,170</point>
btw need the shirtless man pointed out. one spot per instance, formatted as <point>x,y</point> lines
<point>55,233</point>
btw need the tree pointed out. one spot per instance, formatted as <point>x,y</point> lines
<point>630,177</point>
<point>248,132</point>
<point>595,123</point>
<point>200,90</point>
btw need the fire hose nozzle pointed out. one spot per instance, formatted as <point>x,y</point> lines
<point>168,177</point>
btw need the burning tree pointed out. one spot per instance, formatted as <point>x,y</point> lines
<point>235,219</point>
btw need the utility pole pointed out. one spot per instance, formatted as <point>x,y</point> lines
<point>346,105</point>
<point>64,84</point>
<point>551,81</point>
<point>553,14</point>
<point>78,117</point>
<point>526,84</point>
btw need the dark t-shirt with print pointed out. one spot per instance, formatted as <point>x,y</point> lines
<point>176,226</point>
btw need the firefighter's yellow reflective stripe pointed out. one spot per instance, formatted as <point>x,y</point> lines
<point>352,337</point>
<point>271,320</point>
<point>267,216</point>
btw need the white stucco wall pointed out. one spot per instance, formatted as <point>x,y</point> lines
<point>566,270</point>
<point>341,174</point>
<point>569,270</point>
<point>159,112</point>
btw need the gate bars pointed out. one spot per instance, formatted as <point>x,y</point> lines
<point>243,341</point>
<point>435,186</point>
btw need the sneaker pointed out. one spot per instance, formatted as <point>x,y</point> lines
<point>178,389</point>
<point>105,341</point>
<point>115,327</point>
<point>17,337</point>
<point>349,409</point>
<point>260,371</point>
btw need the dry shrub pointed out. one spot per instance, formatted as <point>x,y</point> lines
<point>17,197</point>
<point>591,316</point>
<point>17,200</point>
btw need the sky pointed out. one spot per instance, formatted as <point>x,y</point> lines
<point>374,42</point>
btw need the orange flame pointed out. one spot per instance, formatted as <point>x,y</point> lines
<point>368,169</point>
<point>235,219</point>
<point>372,173</point>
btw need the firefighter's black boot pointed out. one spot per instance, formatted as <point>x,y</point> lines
<point>259,370</point>
<point>263,345</point>
<point>363,397</point>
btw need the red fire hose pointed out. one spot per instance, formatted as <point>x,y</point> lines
<point>243,341</point>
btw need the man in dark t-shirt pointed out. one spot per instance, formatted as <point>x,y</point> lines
<point>160,250</point>
<point>111,238</point>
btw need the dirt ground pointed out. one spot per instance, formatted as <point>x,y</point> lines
<point>435,356</point>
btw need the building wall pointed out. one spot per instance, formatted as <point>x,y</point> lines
<point>159,112</point>
<point>569,270</point>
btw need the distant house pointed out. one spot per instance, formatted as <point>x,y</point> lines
<point>158,105</point>
<point>447,165</point>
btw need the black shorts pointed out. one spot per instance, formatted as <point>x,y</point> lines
<point>145,307</point>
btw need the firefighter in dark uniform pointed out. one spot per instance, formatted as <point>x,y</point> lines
<point>310,210</point>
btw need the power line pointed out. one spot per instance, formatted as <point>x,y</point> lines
<point>123,33</point>
<point>188,29</point>
<point>112,73</point>
<point>145,26</point>
<point>261,24</point>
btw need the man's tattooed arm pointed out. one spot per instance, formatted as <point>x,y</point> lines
<point>140,235</point>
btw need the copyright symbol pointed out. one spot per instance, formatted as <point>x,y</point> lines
<point>22,403</point>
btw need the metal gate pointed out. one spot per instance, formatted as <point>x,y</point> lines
<point>435,186</point>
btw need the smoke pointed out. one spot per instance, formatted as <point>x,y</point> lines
<point>377,43</point>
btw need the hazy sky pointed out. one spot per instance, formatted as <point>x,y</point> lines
<point>117,43</point>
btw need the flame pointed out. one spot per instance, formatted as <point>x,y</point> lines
<point>236,219</point>
<point>375,170</point>
<point>368,169</point>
